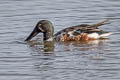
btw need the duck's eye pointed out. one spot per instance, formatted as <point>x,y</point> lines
<point>39,25</point>
<point>40,28</point>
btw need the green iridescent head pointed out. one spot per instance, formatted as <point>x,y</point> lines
<point>45,27</point>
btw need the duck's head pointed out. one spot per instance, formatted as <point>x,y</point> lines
<point>43,26</point>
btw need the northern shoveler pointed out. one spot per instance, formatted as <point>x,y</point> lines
<point>83,32</point>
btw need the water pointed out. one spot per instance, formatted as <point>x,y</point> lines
<point>35,60</point>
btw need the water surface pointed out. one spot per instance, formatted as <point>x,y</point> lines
<point>35,60</point>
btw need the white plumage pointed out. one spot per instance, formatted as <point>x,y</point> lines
<point>97,36</point>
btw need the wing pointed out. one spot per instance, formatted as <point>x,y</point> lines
<point>78,30</point>
<point>78,27</point>
<point>83,27</point>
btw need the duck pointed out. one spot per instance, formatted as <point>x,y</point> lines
<point>82,32</point>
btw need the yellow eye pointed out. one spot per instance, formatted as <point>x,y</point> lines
<point>39,25</point>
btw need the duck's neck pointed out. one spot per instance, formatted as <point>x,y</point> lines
<point>48,36</point>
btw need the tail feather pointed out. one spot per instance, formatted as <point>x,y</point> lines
<point>100,23</point>
<point>105,35</point>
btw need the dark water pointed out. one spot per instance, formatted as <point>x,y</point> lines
<point>99,60</point>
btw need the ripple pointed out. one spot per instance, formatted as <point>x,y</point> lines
<point>37,60</point>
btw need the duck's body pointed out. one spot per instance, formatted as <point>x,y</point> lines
<point>83,32</point>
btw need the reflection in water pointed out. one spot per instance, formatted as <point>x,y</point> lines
<point>48,65</point>
<point>82,45</point>
<point>49,47</point>
<point>42,47</point>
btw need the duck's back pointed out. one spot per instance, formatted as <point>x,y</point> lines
<point>80,32</point>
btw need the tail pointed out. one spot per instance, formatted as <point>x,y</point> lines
<point>105,35</point>
<point>100,23</point>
